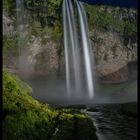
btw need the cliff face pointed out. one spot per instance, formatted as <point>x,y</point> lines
<point>108,47</point>
<point>112,31</point>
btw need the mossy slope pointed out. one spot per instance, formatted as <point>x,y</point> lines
<point>25,118</point>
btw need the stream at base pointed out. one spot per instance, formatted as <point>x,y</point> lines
<point>112,124</point>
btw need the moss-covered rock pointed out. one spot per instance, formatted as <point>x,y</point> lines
<point>74,126</point>
<point>26,118</point>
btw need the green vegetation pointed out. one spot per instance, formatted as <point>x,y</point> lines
<point>10,49</point>
<point>9,6</point>
<point>104,18</point>
<point>47,16</point>
<point>36,29</point>
<point>44,20</point>
<point>25,118</point>
<point>118,20</point>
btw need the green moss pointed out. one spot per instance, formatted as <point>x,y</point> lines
<point>46,14</point>
<point>10,49</point>
<point>12,83</point>
<point>36,28</point>
<point>26,118</point>
<point>9,6</point>
<point>75,127</point>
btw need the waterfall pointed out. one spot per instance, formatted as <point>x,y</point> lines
<point>25,64</point>
<point>76,81</point>
<point>20,22</point>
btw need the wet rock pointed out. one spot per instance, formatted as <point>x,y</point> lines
<point>116,72</point>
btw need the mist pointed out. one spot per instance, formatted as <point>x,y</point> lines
<point>52,89</point>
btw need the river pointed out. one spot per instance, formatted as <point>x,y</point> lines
<point>112,124</point>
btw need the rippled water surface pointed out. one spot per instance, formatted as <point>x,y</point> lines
<point>112,124</point>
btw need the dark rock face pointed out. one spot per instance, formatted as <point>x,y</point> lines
<point>108,47</point>
<point>116,72</point>
<point>116,77</point>
<point>132,69</point>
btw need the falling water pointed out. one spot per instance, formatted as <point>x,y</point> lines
<point>73,60</point>
<point>20,22</point>
<point>24,63</point>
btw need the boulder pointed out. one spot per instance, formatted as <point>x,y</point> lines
<point>113,72</point>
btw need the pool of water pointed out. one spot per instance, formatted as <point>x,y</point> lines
<point>52,90</point>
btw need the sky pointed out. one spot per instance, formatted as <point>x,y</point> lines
<point>120,3</point>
